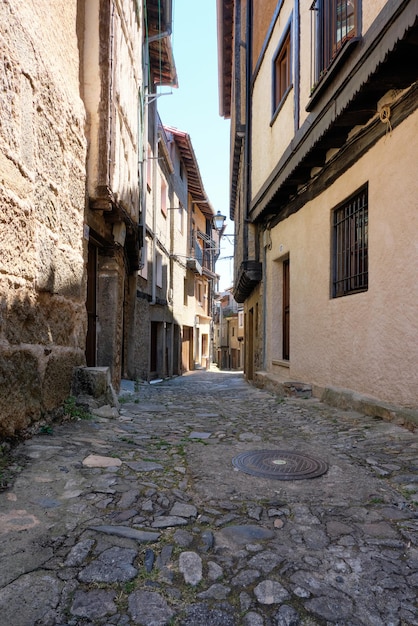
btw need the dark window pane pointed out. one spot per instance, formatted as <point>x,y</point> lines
<point>350,248</point>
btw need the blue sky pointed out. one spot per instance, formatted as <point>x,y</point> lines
<point>194,106</point>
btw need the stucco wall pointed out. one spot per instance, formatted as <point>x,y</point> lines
<point>364,342</point>
<point>42,194</point>
<point>270,138</point>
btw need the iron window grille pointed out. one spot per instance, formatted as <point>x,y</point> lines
<point>350,245</point>
<point>333,24</point>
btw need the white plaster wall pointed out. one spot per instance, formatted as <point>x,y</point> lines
<point>370,10</point>
<point>365,342</point>
<point>269,141</point>
<point>183,314</point>
<point>305,60</point>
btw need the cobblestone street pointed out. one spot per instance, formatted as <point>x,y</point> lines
<point>138,516</point>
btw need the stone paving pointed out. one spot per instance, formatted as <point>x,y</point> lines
<point>138,516</point>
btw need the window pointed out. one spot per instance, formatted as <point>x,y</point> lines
<point>281,72</point>
<point>159,270</point>
<point>240,319</point>
<point>350,245</point>
<point>199,292</point>
<point>181,218</point>
<point>334,22</point>
<point>149,167</point>
<point>164,198</point>
<point>144,271</point>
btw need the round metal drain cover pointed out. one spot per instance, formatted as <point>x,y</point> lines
<point>279,464</point>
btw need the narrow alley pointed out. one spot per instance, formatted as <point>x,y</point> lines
<point>153,514</point>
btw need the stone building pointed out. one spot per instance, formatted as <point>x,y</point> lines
<point>229,332</point>
<point>78,82</point>
<point>176,284</point>
<point>105,218</point>
<point>322,98</point>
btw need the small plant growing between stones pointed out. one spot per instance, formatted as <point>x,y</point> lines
<point>127,440</point>
<point>199,440</point>
<point>4,463</point>
<point>377,500</point>
<point>129,586</point>
<point>46,429</point>
<point>73,411</point>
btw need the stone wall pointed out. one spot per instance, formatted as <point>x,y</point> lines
<point>42,195</point>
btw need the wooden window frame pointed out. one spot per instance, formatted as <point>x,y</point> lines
<point>164,190</point>
<point>159,270</point>
<point>282,70</point>
<point>332,17</point>
<point>350,221</point>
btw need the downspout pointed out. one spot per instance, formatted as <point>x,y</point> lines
<point>142,158</point>
<point>263,330</point>
<point>247,148</point>
<point>143,132</point>
<point>154,208</point>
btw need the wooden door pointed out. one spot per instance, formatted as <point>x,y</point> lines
<point>250,346</point>
<point>286,310</point>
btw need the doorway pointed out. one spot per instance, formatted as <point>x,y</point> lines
<point>250,347</point>
<point>91,306</point>
<point>187,349</point>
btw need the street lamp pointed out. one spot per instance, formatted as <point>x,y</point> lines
<point>219,221</point>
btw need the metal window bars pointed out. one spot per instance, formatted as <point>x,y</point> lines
<point>350,258</point>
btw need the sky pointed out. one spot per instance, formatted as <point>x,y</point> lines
<point>194,108</point>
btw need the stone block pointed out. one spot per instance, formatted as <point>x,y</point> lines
<point>20,391</point>
<point>297,389</point>
<point>58,377</point>
<point>95,382</point>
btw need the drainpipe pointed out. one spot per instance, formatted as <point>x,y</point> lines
<point>143,158</point>
<point>143,132</point>
<point>154,208</point>
<point>247,148</point>
<point>264,306</point>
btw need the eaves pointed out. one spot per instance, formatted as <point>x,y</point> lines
<point>194,180</point>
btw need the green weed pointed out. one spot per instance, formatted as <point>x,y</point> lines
<point>46,429</point>
<point>75,412</point>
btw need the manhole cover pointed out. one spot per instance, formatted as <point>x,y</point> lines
<point>279,464</point>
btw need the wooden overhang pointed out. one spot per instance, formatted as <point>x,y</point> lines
<point>194,180</point>
<point>225,35</point>
<point>385,59</point>
<point>248,276</point>
<point>225,38</point>
<point>158,29</point>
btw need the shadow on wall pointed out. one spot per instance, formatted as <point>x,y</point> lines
<point>42,338</point>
